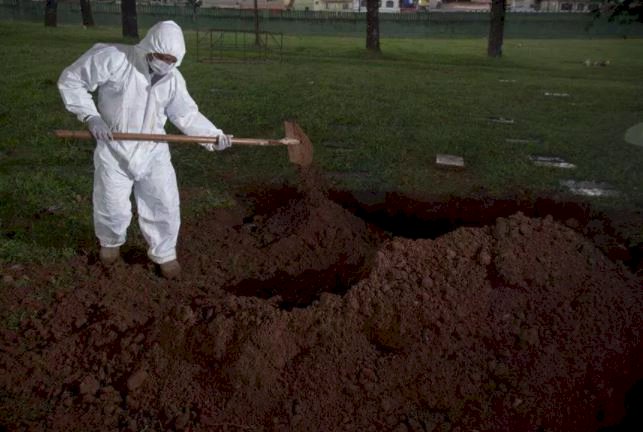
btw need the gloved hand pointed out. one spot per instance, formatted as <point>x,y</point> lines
<point>224,141</point>
<point>99,128</point>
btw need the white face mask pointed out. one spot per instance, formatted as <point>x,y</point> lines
<point>159,67</point>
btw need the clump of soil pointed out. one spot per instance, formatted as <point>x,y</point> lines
<point>519,325</point>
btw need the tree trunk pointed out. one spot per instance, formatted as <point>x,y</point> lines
<point>51,13</point>
<point>129,19</point>
<point>86,12</point>
<point>257,38</point>
<point>496,28</point>
<point>372,25</point>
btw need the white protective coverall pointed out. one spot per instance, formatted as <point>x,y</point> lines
<point>128,102</point>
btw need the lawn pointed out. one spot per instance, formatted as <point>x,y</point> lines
<point>376,122</point>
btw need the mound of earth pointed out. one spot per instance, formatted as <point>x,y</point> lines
<point>522,325</point>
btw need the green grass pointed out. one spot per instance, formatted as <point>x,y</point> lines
<point>389,115</point>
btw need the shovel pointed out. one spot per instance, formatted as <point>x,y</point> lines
<point>300,149</point>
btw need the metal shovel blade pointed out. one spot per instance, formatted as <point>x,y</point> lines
<point>302,153</point>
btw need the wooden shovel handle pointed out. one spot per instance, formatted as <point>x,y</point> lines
<point>123,136</point>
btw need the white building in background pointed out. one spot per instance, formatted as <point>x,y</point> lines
<point>522,5</point>
<point>552,5</point>
<point>331,5</point>
<point>386,6</point>
<point>566,5</point>
<point>347,5</point>
<point>395,5</point>
<point>248,4</point>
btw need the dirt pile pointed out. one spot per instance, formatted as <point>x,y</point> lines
<point>521,325</point>
<point>272,250</point>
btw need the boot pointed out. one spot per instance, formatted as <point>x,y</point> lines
<point>109,255</point>
<point>171,269</point>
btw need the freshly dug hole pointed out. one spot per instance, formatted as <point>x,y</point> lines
<point>432,217</point>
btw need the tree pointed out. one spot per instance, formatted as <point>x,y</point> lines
<point>196,4</point>
<point>496,28</point>
<point>372,25</point>
<point>86,12</point>
<point>51,13</point>
<point>129,18</point>
<point>625,11</point>
<point>257,38</point>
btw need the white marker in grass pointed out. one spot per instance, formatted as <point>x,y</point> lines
<point>449,160</point>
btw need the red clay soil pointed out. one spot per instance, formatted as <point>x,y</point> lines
<point>522,325</point>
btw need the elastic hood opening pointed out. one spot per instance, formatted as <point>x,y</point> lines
<point>164,37</point>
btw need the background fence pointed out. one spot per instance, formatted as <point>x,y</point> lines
<point>421,24</point>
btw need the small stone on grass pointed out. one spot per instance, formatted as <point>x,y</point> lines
<point>551,161</point>
<point>501,120</point>
<point>556,94</point>
<point>449,160</point>
<point>589,188</point>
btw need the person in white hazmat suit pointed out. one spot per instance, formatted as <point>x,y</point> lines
<point>138,88</point>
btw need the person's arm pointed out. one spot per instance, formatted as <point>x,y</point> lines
<point>82,77</point>
<point>184,113</point>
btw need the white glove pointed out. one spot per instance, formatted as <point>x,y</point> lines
<point>223,142</point>
<point>99,128</point>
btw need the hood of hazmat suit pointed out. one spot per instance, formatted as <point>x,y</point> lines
<point>129,102</point>
<point>165,37</point>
